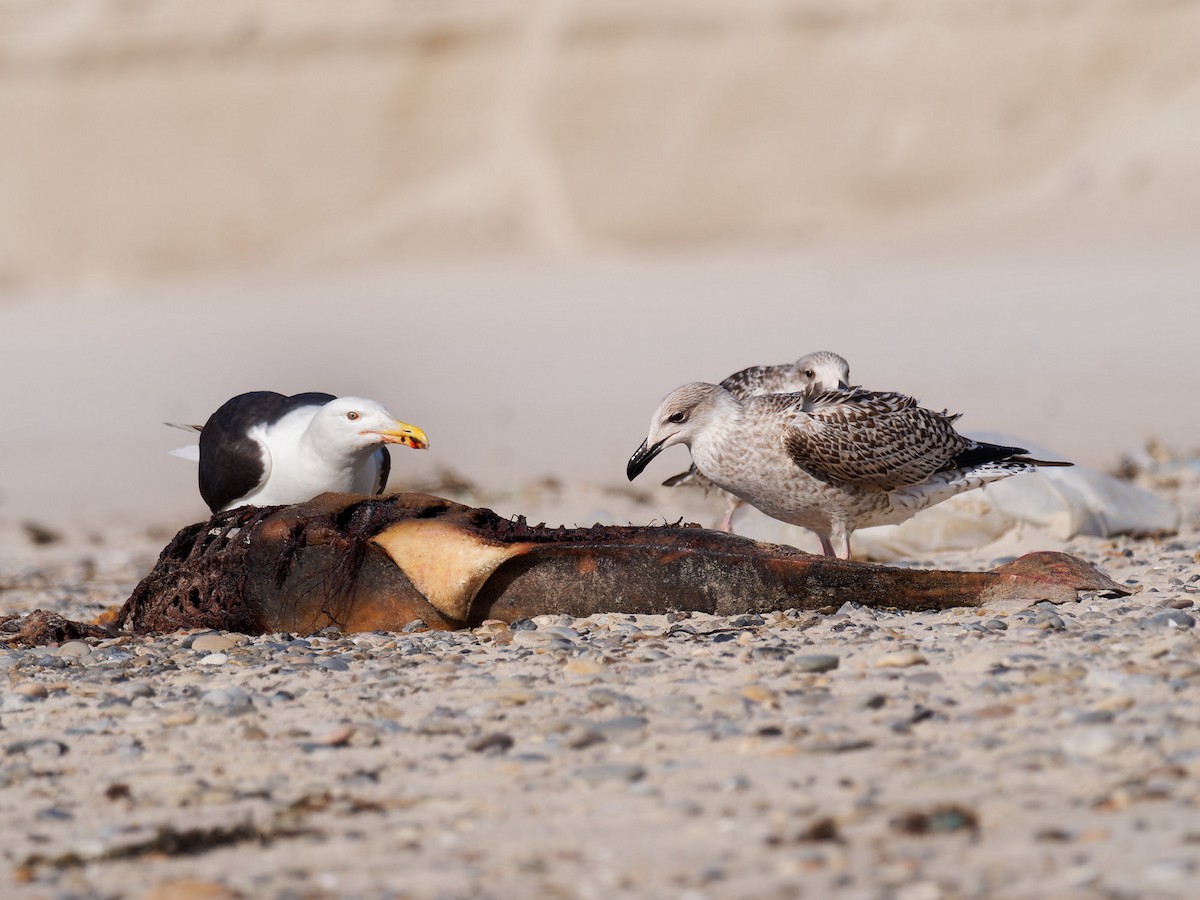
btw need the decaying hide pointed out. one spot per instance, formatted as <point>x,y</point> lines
<point>364,564</point>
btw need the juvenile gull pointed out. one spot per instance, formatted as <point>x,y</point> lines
<point>823,370</point>
<point>267,449</point>
<point>829,461</point>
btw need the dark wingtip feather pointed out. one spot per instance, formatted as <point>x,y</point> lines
<point>1029,460</point>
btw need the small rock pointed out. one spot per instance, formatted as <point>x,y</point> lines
<point>815,662</point>
<point>770,653</point>
<point>621,727</point>
<point>214,659</point>
<point>338,737</point>
<point>1166,870</point>
<point>748,621</point>
<point>585,668</point>
<point>31,690</point>
<point>1115,703</point>
<point>231,698</point>
<point>761,695</point>
<point>579,737</point>
<point>1171,618</point>
<point>212,643</point>
<point>1092,743</point>
<point>190,889</point>
<point>1178,669</point>
<point>542,638</point>
<point>75,650</point>
<point>133,689</point>
<point>901,660</point>
<point>598,774</point>
<point>495,743</point>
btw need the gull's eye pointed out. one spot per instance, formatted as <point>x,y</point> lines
<point>677,417</point>
<point>809,373</point>
<point>352,416</point>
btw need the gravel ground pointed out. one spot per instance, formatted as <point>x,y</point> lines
<point>1049,752</point>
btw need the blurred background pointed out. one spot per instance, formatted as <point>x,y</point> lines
<point>520,224</point>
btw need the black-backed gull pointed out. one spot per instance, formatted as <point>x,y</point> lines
<point>266,449</point>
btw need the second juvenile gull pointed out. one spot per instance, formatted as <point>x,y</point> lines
<point>822,370</point>
<point>828,461</point>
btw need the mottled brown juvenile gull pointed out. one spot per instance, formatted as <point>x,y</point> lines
<point>829,461</point>
<point>823,370</point>
<point>266,449</point>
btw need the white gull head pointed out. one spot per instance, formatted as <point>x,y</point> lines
<point>352,426</point>
<point>680,418</point>
<point>825,369</point>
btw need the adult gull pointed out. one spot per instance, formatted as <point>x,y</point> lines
<point>267,449</point>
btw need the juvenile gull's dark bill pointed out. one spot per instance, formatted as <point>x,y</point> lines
<point>829,461</point>
<point>267,449</point>
<point>823,370</point>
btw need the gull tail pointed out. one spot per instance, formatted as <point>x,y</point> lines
<point>190,452</point>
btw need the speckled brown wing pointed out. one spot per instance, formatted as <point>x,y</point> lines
<point>758,380</point>
<point>868,438</point>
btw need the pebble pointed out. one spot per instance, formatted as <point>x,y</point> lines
<point>31,690</point>
<point>337,737</point>
<point>1182,668</point>
<point>212,643</point>
<point>542,639</point>
<point>814,662</point>
<point>1171,618</point>
<point>75,650</point>
<point>230,698</point>
<point>1091,742</point>
<point>901,660</point>
<point>136,689</point>
<point>605,772</point>
<point>585,668</point>
<point>214,659</point>
<point>494,743</point>
<point>578,737</point>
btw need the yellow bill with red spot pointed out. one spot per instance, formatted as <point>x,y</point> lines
<point>403,433</point>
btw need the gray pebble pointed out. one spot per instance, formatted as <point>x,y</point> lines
<point>598,774</point>
<point>211,642</point>
<point>494,743</point>
<point>230,698</point>
<point>75,650</point>
<point>580,737</point>
<point>770,653</point>
<point>136,689</point>
<point>814,662</point>
<point>1171,618</point>
<point>749,621</point>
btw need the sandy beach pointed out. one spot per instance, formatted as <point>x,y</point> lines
<point>519,226</point>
